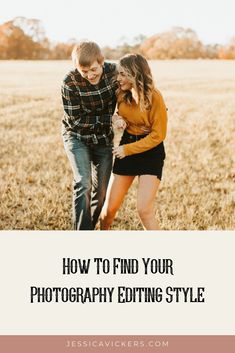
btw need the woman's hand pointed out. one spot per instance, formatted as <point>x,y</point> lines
<point>118,122</point>
<point>119,152</point>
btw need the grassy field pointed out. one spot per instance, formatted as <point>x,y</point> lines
<point>197,190</point>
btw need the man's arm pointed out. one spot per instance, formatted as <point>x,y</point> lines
<point>71,104</point>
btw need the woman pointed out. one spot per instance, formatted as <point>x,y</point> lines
<point>142,112</point>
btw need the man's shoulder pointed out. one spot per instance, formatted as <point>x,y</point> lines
<point>73,77</point>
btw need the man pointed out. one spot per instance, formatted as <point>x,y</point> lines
<point>89,101</point>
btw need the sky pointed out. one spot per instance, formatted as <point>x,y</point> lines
<point>111,22</point>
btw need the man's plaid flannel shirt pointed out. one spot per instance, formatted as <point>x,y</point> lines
<point>88,108</point>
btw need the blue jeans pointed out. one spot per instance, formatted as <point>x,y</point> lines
<point>91,165</point>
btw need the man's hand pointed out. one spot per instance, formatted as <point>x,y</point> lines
<point>119,152</point>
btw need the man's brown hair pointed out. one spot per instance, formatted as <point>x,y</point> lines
<point>85,53</point>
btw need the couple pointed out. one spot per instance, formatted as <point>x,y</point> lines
<point>90,94</point>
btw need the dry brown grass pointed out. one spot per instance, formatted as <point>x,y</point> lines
<point>197,191</point>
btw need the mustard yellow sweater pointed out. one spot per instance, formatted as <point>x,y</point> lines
<point>153,122</point>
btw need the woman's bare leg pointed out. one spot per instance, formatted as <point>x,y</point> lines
<point>117,189</point>
<point>147,189</point>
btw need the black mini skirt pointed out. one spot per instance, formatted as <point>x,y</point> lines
<point>146,163</point>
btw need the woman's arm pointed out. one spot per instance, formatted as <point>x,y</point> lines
<point>158,121</point>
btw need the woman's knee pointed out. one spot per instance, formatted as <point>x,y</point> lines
<point>145,211</point>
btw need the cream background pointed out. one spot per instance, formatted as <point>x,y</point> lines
<point>35,259</point>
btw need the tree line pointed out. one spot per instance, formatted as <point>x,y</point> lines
<point>23,38</point>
